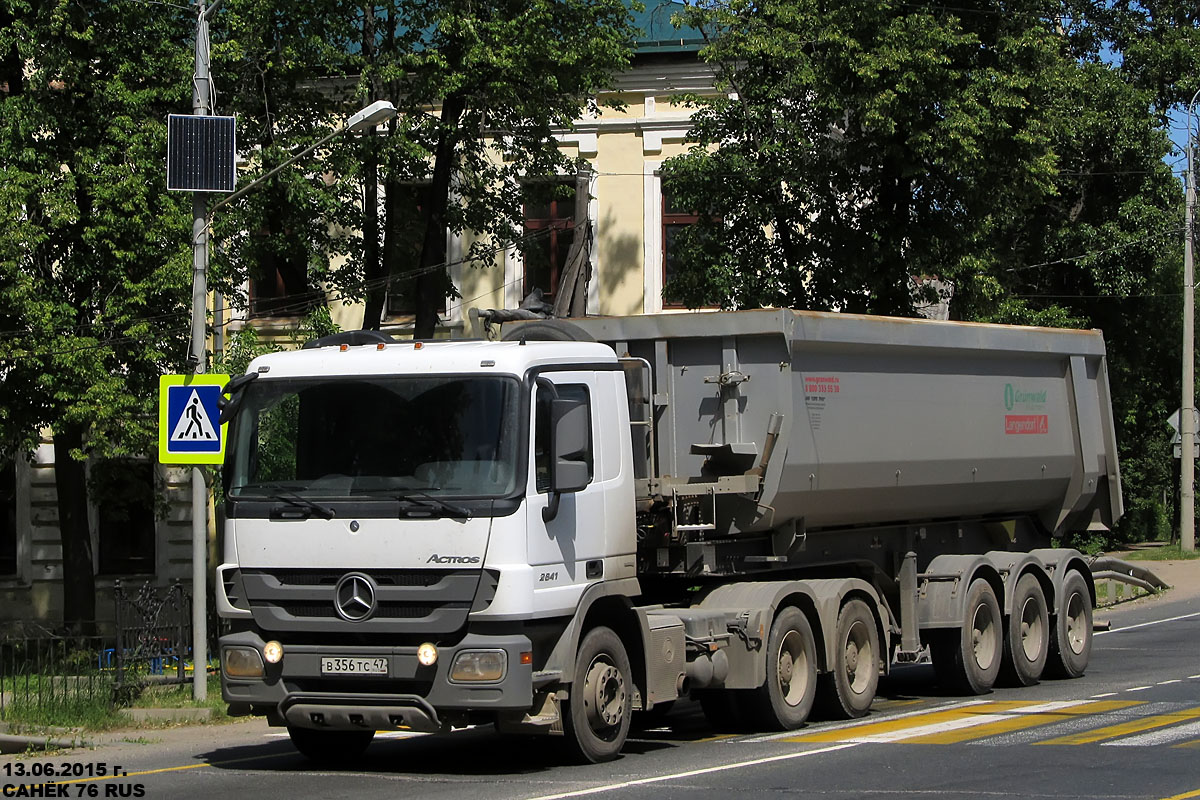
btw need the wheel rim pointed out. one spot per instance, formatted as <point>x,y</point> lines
<point>1033,633</point>
<point>983,638</point>
<point>860,658</point>
<point>793,668</point>
<point>1077,633</point>
<point>604,696</point>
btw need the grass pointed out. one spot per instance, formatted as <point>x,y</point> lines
<point>1171,552</point>
<point>95,710</point>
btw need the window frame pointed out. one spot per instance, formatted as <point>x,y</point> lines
<point>98,541</point>
<point>530,227</point>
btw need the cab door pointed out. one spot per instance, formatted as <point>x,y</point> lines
<point>567,552</point>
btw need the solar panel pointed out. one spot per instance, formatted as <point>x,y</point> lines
<point>200,153</point>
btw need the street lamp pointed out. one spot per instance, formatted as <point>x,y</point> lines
<point>369,117</point>
<point>1187,420</point>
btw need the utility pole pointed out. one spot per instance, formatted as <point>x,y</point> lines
<point>201,107</point>
<point>1187,414</point>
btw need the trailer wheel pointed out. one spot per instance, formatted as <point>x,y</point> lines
<point>848,689</point>
<point>1027,638</point>
<point>330,747</point>
<point>600,703</point>
<point>968,659</point>
<point>1071,646</point>
<point>785,699</point>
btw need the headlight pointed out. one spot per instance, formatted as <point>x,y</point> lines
<point>427,654</point>
<point>273,652</point>
<point>479,665</point>
<point>243,662</point>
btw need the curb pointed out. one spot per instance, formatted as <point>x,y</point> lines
<point>12,743</point>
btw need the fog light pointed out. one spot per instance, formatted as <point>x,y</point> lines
<point>243,662</point>
<point>479,665</point>
<point>427,654</point>
<point>273,652</point>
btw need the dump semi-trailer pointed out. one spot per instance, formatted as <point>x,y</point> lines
<point>762,510</point>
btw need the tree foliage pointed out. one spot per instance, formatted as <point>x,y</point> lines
<point>93,270</point>
<point>857,149</point>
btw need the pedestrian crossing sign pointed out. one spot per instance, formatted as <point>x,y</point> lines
<point>189,411</point>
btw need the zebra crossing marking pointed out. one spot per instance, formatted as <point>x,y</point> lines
<point>963,723</point>
<point>1124,728</point>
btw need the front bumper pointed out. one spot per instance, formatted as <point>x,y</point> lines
<point>409,697</point>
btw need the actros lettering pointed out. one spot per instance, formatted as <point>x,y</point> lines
<point>436,559</point>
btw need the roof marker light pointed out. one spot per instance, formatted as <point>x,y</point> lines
<point>344,347</point>
<point>380,346</point>
<point>418,345</point>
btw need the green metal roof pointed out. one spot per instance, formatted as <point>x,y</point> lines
<point>658,35</point>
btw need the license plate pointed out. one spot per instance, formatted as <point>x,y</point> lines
<point>354,666</point>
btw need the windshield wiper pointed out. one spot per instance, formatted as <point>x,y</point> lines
<point>453,510</point>
<point>294,499</point>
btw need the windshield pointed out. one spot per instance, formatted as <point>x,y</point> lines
<point>386,436</point>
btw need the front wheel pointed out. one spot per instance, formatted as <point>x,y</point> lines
<point>1071,646</point>
<point>330,747</point>
<point>600,702</point>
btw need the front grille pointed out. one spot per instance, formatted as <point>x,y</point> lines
<point>385,610</point>
<point>389,577</point>
<point>408,600</point>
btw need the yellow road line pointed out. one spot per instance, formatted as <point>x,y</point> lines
<point>165,769</point>
<point>888,726</point>
<point>1125,728</point>
<point>1192,744</point>
<point>1019,722</point>
<point>1184,796</point>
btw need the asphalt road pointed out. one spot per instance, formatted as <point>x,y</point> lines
<point>1129,729</point>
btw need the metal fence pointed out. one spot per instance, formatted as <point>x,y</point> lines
<point>154,631</point>
<point>49,677</point>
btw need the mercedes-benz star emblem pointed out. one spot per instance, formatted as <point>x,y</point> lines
<point>354,597</point>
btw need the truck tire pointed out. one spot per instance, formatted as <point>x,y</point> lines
<point>547,331</point>
<point>848,689</point>
<point>330,747</point>
<point>1071,646</point>
<point>785,699</point>
<point>1027,635</point>
<point>600,702</point>
<point>967,660</point>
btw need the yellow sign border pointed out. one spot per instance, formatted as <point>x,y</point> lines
<point>165,456</point>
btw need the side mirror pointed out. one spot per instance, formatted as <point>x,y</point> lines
<point>569,444</point>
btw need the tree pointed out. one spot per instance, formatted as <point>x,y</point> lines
<point>94,275</point>
<point>1001,148</point>
<point>503,76</point>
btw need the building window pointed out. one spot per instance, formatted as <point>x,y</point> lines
<point>8,517</point>
<point>406,212</point>
<point>125,525</point>
<point>549,230</point>
<point>279,278</point>
<point>674,219</point>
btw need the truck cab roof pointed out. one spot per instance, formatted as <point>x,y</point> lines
<point>431,357</point>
